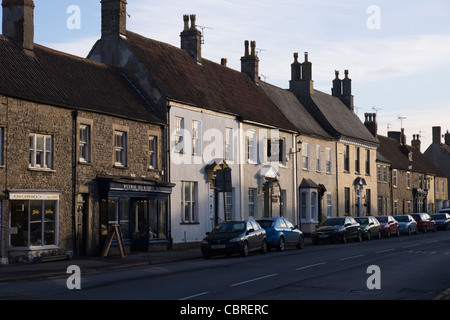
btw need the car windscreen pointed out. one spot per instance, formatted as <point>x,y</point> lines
<point>362,220</point>
<point>439,216</point>
<point>230,227</point>
<point>382,219</point>
<point>334,222</point>
<point>402,219</point>
<point>266,223</point>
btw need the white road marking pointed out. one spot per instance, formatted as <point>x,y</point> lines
<point>352,257</point>
<point>310,266</point>
<point>248,281</point>
<point>383,251</point>
<point>412,245</point>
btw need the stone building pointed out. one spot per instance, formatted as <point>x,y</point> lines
<point>80,150</point>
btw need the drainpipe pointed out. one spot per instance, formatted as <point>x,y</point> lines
<point>74,183</point>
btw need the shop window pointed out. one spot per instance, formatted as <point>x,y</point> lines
<point>33,223</point>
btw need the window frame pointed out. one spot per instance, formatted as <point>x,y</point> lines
<point>45,154</point>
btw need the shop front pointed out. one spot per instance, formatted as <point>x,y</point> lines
<point>140,208</point>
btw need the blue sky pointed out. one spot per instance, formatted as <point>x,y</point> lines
<point>401,69</point>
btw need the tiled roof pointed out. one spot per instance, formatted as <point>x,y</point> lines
<point>60,79</point>
<point>397,154</point>
<point>291,107</point>
<point>207,84</point>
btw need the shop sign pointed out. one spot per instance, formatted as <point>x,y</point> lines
<point>138,188</point>
<point>34,196</point>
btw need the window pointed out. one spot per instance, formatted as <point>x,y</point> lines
<point>394,178</point>
<point>409,207</point>
<point>408,180</point>
<point>153,152</point>
<point>179,132</point>
<point>251,202</point>
<point>395,207</point>
<point>347,200</point>
<point>275,151</point>
<point>188,200</point>
<point>443,186</point>
<point>303,204</point>
<point>120,148</point>
<point>229,205</point>
<point>385,179</point>
<point>329,204</point>
<point>282,202</point>
<point>368,162</point>
<point>228,144</point>
<point>379,173</point>
<point>386,206</point>
<point>318,164</point>
<point>357,160</point>
<point>252,149</point>
<point>380,205</point>
<point>368,202</point>
<point>328,164</point>
<point>305,155</point>
<point>196,138</point>
<point>33,223</point>
<point>41,151</point>
<point>2,136</point>
<point>314,205</point>
<point>346,158</point>
<point>84,143</point>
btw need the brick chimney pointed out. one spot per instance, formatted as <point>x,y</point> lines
<point>114,18</point>
<point>415,142</point>
<point>447,138</point>
<point>18,23</point>
<point>437,135</point>
<point>250,61</point>
<point>343,90</point>
<point>191,38</point>
<point>301,83</point>
<point>398,135</point>
<point>371,123</point>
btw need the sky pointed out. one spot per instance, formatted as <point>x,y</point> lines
<point>397,51</point>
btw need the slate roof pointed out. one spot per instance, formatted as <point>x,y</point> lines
<point>334,116</point>
<point>397,154</point>
<point>206,85</point>
<point>59,79</point>
<point>291,107</point>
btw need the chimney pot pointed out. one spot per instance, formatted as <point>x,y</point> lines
<point>224,62</point>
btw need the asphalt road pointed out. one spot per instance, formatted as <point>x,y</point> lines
<point>410,267</point>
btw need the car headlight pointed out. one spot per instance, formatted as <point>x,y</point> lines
<point>205,242</point>
<point>235,240</point>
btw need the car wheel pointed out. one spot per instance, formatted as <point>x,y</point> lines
<point>344,238</point>
<point>244,249</point>
<point>300,243</point>
<point>264,247</point>
<point>409,231</point>
<point>281,244</point>
<point>369,235</point>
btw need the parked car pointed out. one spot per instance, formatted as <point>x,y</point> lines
<point>442,220</point>
<point>424,222</point>
<point>370,227</point>
<point>445,210</point>
<point>337,229</point>
<point>234,237</point>
<point>389,226</point>
<point>407,224</point>
<point>280,233</point>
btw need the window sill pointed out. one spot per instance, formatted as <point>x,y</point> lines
<point>119,166</point>
<point>189,223</point>
<point>41,169</point>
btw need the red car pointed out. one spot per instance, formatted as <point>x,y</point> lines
<point>424,222</point>
<point>389,226</point>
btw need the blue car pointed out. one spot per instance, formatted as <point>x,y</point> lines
<point>407,224</point>
<point>280,233</point>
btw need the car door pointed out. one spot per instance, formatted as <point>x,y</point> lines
<point>254,235</point>
<point>350,228</point>
<point>291,235</point>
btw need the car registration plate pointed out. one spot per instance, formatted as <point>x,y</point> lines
<point>218,246</point>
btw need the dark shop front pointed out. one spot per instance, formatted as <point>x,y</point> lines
<point>141,209</point>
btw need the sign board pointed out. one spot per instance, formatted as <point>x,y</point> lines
<point>114,230</point>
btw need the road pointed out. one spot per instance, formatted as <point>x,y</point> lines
<point>410,267</point>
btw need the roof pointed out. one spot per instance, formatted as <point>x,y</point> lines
<point>291,107</point>
<point>398,155</point>
<point>336,117</point>
<point>59,79</point>
<point>206,85</point>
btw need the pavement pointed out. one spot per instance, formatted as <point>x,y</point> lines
<point>43,270</point>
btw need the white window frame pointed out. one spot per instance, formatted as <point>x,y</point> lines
<point>329,204</point>
<point>252,147</point>
<point>305,156</point>
<point>41,158</point>
<point>329,160</point>
<point>190,216</point>
<point>251,201</point>
<point>318,159</point>
<point>120,148</point>
<point>84,143</point>
<point>408,180</point>
<point>228,144</point>
<point>179,134</point>
<point>196,138</point>
<point>394,178</point>
<point>153,152</point>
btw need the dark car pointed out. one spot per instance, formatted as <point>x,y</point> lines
<point>370,227</point>
<point>407,224</point>
<point>234,237</point>
<point>442,220</point>
<point>389,226</point>
<point>337,229</point>
<point>280,233</point>
<point>424,222</point>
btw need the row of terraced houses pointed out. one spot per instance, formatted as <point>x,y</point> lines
<point>166,144</point>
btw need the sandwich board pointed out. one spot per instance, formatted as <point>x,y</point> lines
<point>114,230</point>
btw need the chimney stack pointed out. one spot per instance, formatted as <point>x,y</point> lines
<point>398,135</point>
<point>447,138</point>
<point>343,90</point>
<point>416,141</point>
<point>191,37</point>
<point>114,18</point>
<point>250,62</point>
<point>18,23</point>
<point>301,83</point>
<point>371,123</point>
<point>437,135</point>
